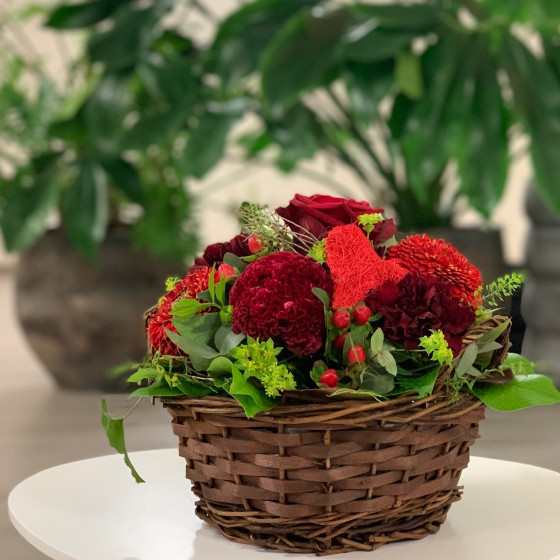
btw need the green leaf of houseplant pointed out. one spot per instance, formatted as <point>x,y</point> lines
<point>207,141</point>
<point>85,208</point>
<point>414,17</point>
<point>113,427</point>
<point>125,177</point>
<point>301,56</point>
<point>81,15</point>
<point>24,209</point>
<point>536,94</point>
<point>242,37</point>
<point>368,43</point>
<point>524,391</point>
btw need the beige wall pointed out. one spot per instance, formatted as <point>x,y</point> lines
<point>229,184</point>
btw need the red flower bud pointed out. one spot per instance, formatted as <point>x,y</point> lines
<point>225,270</point>
<point>339,341</point>
<point>362,313</point>
<point>341,318</point>
<point>255,244</point>
<point>356,354</point>
<point>329,378</point>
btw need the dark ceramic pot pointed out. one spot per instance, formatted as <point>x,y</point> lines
<point>83,319</point>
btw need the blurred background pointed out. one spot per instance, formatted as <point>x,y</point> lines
<point>130,132</point>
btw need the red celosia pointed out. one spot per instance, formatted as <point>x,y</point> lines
<point>418,303</point>
<point>355,267</point>
<point>273,299</point>
<point>438,258</point>
<point>194,283</point>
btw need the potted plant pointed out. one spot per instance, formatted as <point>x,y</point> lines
<point>325,381</point>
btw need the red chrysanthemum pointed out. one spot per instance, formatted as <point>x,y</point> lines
<point>188,288</point>
<point>417,304</point>
<point>355,266</point>
<point>438,258</point>
<point>273,298</point>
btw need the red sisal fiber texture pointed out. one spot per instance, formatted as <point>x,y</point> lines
<point>355,266</point>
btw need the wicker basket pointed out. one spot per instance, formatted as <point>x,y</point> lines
<point>328,475</point>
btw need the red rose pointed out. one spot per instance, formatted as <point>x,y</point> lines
<point>318,214</point>
<point>214,254</point>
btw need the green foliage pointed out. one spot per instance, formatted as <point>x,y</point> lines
<point>318,252</point>
<point>369,221</point>
<point>503,287</point>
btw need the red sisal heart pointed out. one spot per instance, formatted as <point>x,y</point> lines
<point>355,266</point>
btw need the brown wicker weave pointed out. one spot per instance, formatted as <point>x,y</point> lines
<point>328,475</point>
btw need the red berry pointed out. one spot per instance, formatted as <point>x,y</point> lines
<point>225,270</point>
<point>329,378</point>
<point>255,244</point>
<point>339,341</point>
<point>356,354</point>
<point>362,313</point>
<point>341,318</point>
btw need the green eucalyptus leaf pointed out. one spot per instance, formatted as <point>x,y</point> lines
<point>493,334</point>
<point>85,208</point>
<point>467,359</point>
<point>198,328</point>
<point>387,361</point>
<point>226,339</point>
<point>235,261</point>
<point>524,391</point>
<point>251,398</point>
<point>200,354</point>
<point>114,429</point>
<point>377,340</point>
<point>380,383</point>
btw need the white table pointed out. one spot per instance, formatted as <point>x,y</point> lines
<point>93,510</point>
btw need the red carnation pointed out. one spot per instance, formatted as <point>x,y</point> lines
<point>273,299</point>
<point>418,303</point>
<point>194,283</point>
<point>214,254</point>
<point>318,214</point>
<point>438,258</point>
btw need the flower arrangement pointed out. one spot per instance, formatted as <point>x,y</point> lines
<point>320,295</point>
<point>326,380</point>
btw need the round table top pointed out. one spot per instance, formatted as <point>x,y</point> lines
<point>93,509</point>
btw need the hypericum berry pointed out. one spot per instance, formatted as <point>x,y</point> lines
<point>356,354</point>
<point>225,270</point>
<point>329,378</point>
<point>341,318</point>
<point>255,244</point>
<point>362,313</point>
<point>339,341</point>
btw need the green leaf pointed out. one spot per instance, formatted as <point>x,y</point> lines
<point>220,366</point>
<point>125,177</point>
<point>524,391</point>
<point>367,85</point>
<point>114,429</point>
<point>206,143</point>
<point>143,374</point>
<point>154,128</point>
<point>226,339</point>
<point>423,385</point>
<point>518,364</point>
<point>387,361</point>
<point>235,261</point>
<point>368,43</point>
<point>301,56</point>
<point>188,307</point>
<point>199,328</point>
<point>319,367</point>
<point>251,398</point>
<point>323,296</point>
<point>346,390</point>
<point>408,75</point>
<point>158,389</point>
<point>200,354</point>
<point>25,209</point>
<point>415,17</point>
<point>379,383</point>
<point>536,94</point>
<point>493,334</point>
<point>377,341</point>
<point>192,388</point>
<point>467,359</point>
<point>75,16</point>
<point>131,35</point>
<point>85,208</point>
<point>242,37</point>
